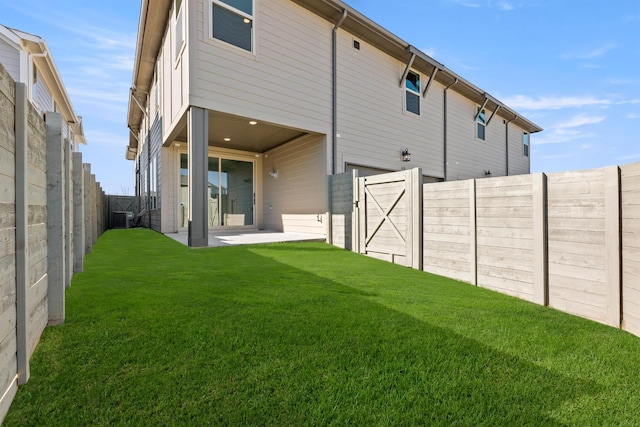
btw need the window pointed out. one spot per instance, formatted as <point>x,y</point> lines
<point>179,27</point>
<point>412,89</point>
<point>481,125</point>
<point>35,83</point>
<point>525,144</point>
<point>232,22</point>
<point>153,184</point>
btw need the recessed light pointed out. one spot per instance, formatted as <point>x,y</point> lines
<point>227,139</point>
<point>253,122</point>
<point>246,20</point>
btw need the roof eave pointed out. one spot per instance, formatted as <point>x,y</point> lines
<point>373,33</point>
<point>151,27</point>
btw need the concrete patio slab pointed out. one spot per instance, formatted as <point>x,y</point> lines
<point>250,237</point>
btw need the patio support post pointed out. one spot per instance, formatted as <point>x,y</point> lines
<point>198,129</point>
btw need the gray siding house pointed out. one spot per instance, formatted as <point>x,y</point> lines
<point>240,109</point>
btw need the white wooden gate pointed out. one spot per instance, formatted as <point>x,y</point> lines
<point>388,217</point>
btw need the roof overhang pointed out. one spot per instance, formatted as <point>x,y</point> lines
<point>39,51</point>
<point>153,22</point>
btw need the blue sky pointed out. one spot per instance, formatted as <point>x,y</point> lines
<point>571,66</point>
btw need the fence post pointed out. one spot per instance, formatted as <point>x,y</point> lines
<point>540,240</point>
<point>68,212</point>
<point>56,233</point>
<point>417,238</point>
<point>94,216</point>
<point>355,215</point>
<point>22,237</point>
<point>473,234</point>
<point>88,228</point>
<point>78,213</point>
<point>612,244</point>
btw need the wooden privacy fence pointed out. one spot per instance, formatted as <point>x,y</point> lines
<point>51,213</point>
<point>568,240</point>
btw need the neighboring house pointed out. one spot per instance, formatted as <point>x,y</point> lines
<point>240,109</point>
<point>27,59</point>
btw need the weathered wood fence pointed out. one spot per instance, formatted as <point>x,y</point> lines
<point>568,240</point>
<point>52,210</point>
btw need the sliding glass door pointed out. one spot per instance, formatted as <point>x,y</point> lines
<point>230,193</point>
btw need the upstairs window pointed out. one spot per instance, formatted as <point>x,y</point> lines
<point>525,144</point>
<point>412,89</point>
<point>179,27</point>
<point>481,125</point>
<point>232,22</point>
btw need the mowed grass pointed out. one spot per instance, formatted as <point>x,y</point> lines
<point>307,334</point>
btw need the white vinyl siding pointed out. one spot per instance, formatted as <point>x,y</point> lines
<point>518,164</point>
<point>42,98</point>
<point>288,81</point>
<point>372,123</point>
<point>10,60</point>
<point>469,157</point>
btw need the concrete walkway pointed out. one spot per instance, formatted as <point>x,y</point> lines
<point>250,237</point>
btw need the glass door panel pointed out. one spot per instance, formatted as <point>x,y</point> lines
<point>183,209</point>
<point>230,193</point>
<point>237,186</point>
<point>214,194</point>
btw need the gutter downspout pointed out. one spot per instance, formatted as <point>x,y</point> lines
<point>334,83</point>
<point>334,123</point>
<point>506,141</point>
<point>148,141</point>
<point>445,126</point>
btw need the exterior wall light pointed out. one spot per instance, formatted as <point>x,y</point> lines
<point>274,173</point>
<point>406,155</point>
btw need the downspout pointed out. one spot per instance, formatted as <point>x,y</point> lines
<point>445,126</point>
<point>506,141</point>
<point>334,123</point>
<point>334,99</point>
<point>145,117</point>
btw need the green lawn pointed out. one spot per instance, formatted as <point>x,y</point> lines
<point>307,334</point>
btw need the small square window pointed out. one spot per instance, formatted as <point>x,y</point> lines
<point>232,22</point>
<point>356,44</point>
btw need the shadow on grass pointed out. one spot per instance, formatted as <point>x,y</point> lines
<point>226,336</point>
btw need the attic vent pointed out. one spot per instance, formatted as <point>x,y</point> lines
<point>356,44</point>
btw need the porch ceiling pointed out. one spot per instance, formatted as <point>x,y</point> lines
<point>244,136</point>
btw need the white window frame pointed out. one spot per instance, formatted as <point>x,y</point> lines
<point>179,29</point>
<point>481,113</point>
<point>413,92</point>
<point>526,144</point>
<point>232,9</point>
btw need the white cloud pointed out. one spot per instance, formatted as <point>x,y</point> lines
<point>465,3</point>
<point>623,81</point>
<point>503,5</point>
<point>567,131</point>
<point>554,102</point>
<point>579,120</point>
<point>592,53</point>
<point>628,158</point>
<point>556,156</point>
<point>633,116</point>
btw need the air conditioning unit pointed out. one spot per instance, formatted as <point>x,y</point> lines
<point>122,219</point>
